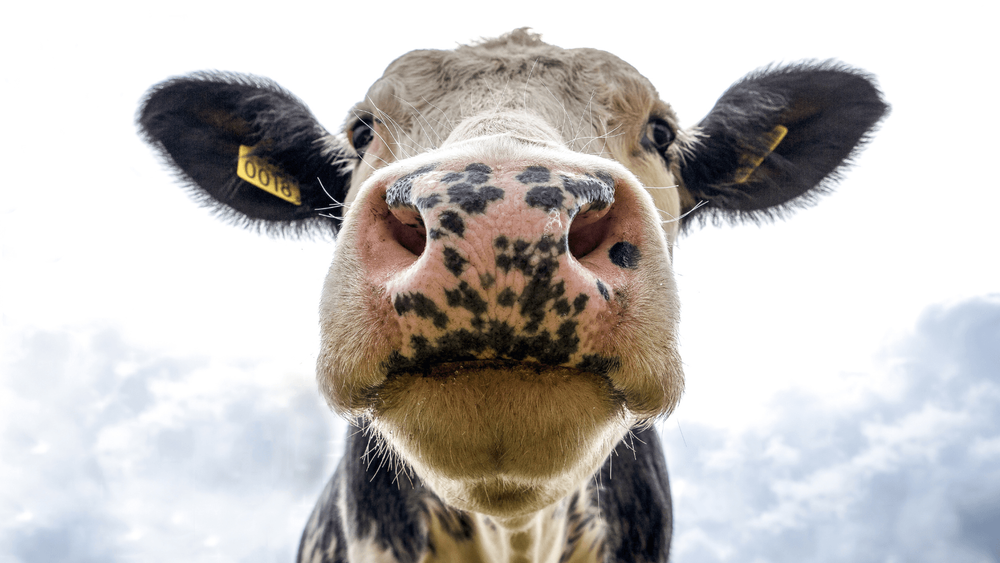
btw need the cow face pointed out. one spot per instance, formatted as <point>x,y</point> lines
<point>501,309</point>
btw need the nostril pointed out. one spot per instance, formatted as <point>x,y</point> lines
<point>407,228</point>
<point>595,193</point>
<point>588,230</point>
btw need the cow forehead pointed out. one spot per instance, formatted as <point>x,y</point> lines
<point>497,61</point>
<point>585,94</point>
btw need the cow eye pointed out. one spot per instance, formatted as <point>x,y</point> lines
<point>361,136</point>
<point>659,134</point>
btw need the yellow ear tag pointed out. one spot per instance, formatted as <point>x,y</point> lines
<point>266,176</point>
<point>750,163</point>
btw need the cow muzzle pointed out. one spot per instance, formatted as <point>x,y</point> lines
<point>504,306</point>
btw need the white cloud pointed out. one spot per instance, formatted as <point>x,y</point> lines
<point>111,453</point>
<point>910,473</point>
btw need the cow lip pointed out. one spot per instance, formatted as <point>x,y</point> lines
<point>446,369</point>
<point>459,368</point>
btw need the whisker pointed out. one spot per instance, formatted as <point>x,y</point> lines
<point>376,133</point>
<point>430,126</point>
<point>701,203</point>
<point>557,99</point>
<point>412,145</point>
<point>607,135</point>
<point>442,112</point>
<point>604,136</point>
<point>524,94</point>
<point>504,91</point>
<point>333,199</point>
<point>363,160</point>
<point>590,109</point>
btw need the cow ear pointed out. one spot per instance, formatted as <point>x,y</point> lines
<point>777,139</point>
<point>249,150</point>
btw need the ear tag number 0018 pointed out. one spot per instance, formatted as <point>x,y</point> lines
<point>266,176</point>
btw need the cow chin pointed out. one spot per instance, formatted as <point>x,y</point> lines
<point>498,438</point>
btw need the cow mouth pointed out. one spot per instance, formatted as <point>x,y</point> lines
<point>525,390</point>
<point>494,372</point>
<point>481,428</point>
<point>459,367</point>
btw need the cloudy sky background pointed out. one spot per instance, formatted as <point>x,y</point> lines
<point>157,400</point>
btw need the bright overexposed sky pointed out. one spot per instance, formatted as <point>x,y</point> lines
<point>157,398</point>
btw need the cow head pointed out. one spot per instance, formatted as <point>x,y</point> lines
<point>501,308</point>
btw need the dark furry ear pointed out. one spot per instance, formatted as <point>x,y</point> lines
<point>777,138</point>
<point>200,122</point>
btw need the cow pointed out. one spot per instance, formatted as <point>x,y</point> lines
<point>500,318</point>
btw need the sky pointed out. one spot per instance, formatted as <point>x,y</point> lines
<point>157,396</point>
